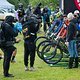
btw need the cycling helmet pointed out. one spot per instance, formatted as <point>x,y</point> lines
<point>59,14</point>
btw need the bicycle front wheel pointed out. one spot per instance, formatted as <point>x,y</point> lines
<point>54,55</point>
<point>40,47</point>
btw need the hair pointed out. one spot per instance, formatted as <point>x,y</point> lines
<point>70,16</point>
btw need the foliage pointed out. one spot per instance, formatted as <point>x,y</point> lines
<point>16,2</point>
<point>51,3</point>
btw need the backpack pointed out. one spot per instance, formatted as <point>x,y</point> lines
<point>2,38</point>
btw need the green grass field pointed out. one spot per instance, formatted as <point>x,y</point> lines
<point>42,70</point>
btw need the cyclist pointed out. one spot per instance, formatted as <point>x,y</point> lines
<point>46,17</point>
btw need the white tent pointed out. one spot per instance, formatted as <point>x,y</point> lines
<point>4,4</point>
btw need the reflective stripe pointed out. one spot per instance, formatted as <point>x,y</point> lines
<point>32,33</point>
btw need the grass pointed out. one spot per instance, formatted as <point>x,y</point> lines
<point>43,71</point>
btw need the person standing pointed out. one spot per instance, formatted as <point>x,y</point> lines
<point>28,10</point>
<point>29,34</point>
<point>71,42</point>
<point>46,17</point>
<point>8,48</point>
<point>20,12</point>
<point>37,10</point>
<point>38,13</point>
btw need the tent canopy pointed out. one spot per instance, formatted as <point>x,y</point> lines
<point>4,4</point>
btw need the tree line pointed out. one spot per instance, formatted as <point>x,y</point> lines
<point>50,3</point>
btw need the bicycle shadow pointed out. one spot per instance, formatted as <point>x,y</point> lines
<point>62,63</point>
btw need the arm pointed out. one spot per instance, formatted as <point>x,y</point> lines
<point>25,31</point>
<point>10,30</point>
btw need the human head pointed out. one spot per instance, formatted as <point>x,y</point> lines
<point>29,6</point>
<point>9,19</point>
<point>46,8</point>
<point>20,5</point>
<point>59,15</point>
<point>39,4</point>
<point>76,13</point>
<point>70,16</point>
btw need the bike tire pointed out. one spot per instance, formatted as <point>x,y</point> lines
<point>40,47</point>
<point>55,57</point>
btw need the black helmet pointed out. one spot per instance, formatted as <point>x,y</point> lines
<point>9,19</point>
<point>39,4</point>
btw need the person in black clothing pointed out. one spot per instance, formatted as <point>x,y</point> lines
<point>71,42</point>
<point>37,10</point>
<point>29,33</point>
<point>46,17</point>
<point>38,13</point>
<point>20,11</point>
<point>8,48</point>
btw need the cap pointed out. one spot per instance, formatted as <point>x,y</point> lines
<point>76,13</point>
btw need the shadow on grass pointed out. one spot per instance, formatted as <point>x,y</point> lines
<point>62,63</point>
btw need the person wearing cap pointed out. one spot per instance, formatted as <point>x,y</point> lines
<point>76,13</point>
<point>71,42</point>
